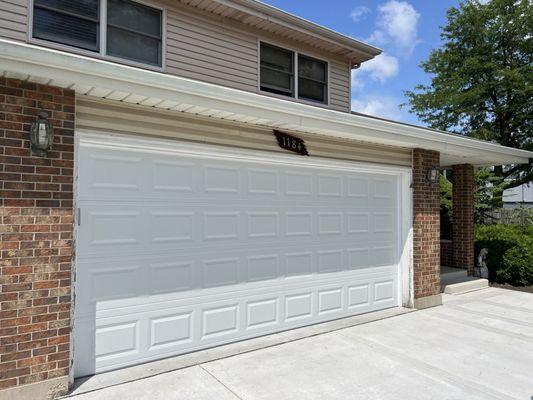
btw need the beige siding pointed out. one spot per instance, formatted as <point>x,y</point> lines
<point>212,49</point>
<point>339,90</point>
<point>13,19</point>
<point>111,116</point>
<point>203,49</point>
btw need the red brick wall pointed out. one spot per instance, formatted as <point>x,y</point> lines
<point>426,225</point>
<point>463,217</point>
<point>446,253</point>
<point>36,235</point>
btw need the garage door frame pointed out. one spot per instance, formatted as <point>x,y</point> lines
<point>169,146</point>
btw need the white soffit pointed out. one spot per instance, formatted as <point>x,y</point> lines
<point>109,80</point>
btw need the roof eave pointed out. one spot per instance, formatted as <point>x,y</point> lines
<point>103,78</point>
<point>260,9</point>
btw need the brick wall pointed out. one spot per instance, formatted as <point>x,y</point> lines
<point>36,235</point>
<point>463,217</point>
<point>426,225</point>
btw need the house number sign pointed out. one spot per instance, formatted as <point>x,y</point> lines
<point>291,143</point>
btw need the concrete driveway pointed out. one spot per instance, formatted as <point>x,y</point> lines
<point>478,345</point>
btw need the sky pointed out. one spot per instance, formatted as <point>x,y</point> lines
<point>406,31</point>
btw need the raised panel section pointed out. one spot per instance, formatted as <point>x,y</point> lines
<point>116,340</point>
<point>358,222</point>
<point>221,225</point>
<point>262,224</point>
<point>298,306</point>
<point>329,301</point>
<point>383,291</point>
<point>299,184</point>
<point>220,272</point>
<point>330,260</point>
<point>171,176</point>
<point>299,264</point>
<point>261,313</point>
<point>383,256</point>
<point>169,277</point>
<point>357,187</point>
<point>221,179</point>
<point>299,223</point>
<point>262,182</point>
<point>115,228</point>
<point>262,268</point>
<point>383,223</point>
<point>170,330</point>
<point>173,227</point>
<point>330,223</point>
<point>219,321</point>
<point>358,296</point>
<point>330,185</point>
<point>358,258</point>
<point>115,172</point>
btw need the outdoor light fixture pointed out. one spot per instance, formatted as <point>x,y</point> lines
<point>41,134</point>
<point>433,174</point>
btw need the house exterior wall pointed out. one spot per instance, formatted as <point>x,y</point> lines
<point>426,230</point>
<point>113,116</point>
<point>14,19</point>
<point>206,48</point>
<point>36,196</point>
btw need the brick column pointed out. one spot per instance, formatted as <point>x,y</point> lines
<point>463,217</point>
<point>426,230</point>
<point>35,242</point>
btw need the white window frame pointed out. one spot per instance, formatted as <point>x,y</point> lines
<point>296,74</point>
<point>101,53</point>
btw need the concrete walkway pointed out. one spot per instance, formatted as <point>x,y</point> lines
<point>478,345</point>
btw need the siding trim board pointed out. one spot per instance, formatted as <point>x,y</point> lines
<point>108,115</point>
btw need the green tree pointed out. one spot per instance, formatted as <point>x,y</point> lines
<point>481,81</point>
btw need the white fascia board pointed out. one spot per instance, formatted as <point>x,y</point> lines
<point>72,69</point>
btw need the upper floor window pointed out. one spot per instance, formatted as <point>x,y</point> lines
<point>277,70</point>
<point>278,75</point>
<point>312,79</point>
<point>127,30</point>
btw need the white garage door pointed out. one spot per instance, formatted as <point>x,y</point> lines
<point>182,247</point>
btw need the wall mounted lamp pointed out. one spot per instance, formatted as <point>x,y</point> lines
<point>41,135</point>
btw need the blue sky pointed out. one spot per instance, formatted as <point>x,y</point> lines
<point>406,31</point>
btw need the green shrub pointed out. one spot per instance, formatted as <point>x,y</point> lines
<point>510,257</point>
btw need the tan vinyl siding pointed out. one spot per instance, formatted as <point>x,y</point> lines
<point>13,19</point>
<point>339,89</point>
<point>202,49</point>
<point>109,116</point>
<point>207,48</point>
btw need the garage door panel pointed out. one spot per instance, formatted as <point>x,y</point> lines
<point>183,250</point>
<point>139,228</point>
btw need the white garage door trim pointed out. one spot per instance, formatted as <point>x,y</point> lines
<point>253,294</point>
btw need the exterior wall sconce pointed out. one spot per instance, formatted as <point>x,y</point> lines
<point>41,135</point>
<point>433,174</point>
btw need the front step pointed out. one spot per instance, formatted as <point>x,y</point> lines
<point>456,281</point>
<point>467,285</point>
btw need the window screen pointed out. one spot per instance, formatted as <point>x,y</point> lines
<point>71,22</point>
<point>134,32</point>
<point>277,70</point>
<point>312,79</point>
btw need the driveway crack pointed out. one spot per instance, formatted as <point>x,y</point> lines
<point>222,383</point>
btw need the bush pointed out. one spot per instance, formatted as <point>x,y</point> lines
<point>510,257</point>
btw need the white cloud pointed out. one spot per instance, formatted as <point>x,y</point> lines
<point>379,69</point>
<point>359,12</point>
<point>379,106</point>
<point>397,24</point>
